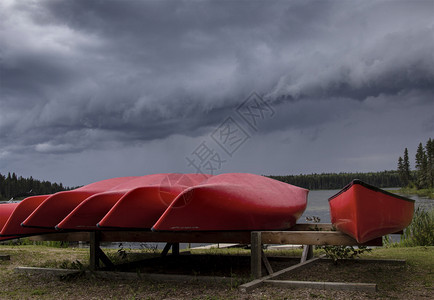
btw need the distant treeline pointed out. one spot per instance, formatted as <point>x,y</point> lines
<point>334,181</point>
<point>12,186</point>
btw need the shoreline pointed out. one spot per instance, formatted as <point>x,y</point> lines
<point>424,193</point>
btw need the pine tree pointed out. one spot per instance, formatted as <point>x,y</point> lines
<point>421,167</point>
<point>401,172</point>
<point>406,168</point>
<point>430,162</point>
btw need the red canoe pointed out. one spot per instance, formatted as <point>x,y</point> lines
<point>6,210</point>
<point>235,201</point>
<point>142,207</point>
<point>366,212</point>
<point>136,203</point>
<point>56,207</point>
<point>24,208</point>
<point>89,212</point>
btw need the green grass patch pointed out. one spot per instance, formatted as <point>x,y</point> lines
<point>425,193</point>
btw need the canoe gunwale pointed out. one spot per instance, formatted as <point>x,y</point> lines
<point>371,187</point>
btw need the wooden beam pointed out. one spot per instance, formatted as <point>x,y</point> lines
<point>256,254</point>
<point>166,249</point>
<point>257,282</point>
<point>235,237</point>
<point>307,253</point>
<point>175,249</point>
<point>304,237</point>
<point>104,258</point>
<point>239,237</point>
<point>266,263</point>
<point>346,286</point>
<point>94,254</point>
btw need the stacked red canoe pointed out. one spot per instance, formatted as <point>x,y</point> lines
<point>161,202</point>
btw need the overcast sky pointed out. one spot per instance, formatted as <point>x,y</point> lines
<point>98,89</point>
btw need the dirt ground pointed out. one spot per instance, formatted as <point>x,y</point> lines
<point>411,280</point>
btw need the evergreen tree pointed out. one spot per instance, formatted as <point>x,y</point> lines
<point>421,167</point>
<point>406,167</point>
<point>402,174</point>
<point>430,162</point>
<point>13,186</point>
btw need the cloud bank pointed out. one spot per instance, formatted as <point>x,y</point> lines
<point>80,76</point>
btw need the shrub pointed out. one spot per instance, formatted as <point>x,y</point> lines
<point>421,230</point>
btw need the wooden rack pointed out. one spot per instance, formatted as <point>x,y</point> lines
<point>300,234</point>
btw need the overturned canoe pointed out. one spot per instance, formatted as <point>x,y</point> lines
<point>12,226</point>
<point>174,202</point>
<point>56,207</point>
<point>366,212</point>
<point>88,213</point>
<point>134,204</point>
<point>235,201</point>
<point>6,210</point>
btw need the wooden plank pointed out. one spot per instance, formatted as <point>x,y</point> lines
<point>257,282</point>
<point>255,254</point>
<point>104,258</point>
<point>307,237</point>
<point>94,254</point>
<point>375,261</point>
<point>175,249</point>
<point>240,237</point>
<point>266,262</point>
<point>307,253</point>
<point>312,238</point>
<point>236,237</point>
<point>346,286</point>
<point>166,249</point>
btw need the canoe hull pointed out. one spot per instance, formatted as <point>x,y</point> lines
<point>24,208</point>
<point>366,212</point>
<point>235,202</point>
<point>142,207</point>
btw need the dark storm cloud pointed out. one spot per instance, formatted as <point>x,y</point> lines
<point>77,75</point>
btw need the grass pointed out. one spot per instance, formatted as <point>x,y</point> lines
<point>426,193</point>
<point>413,280</point>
